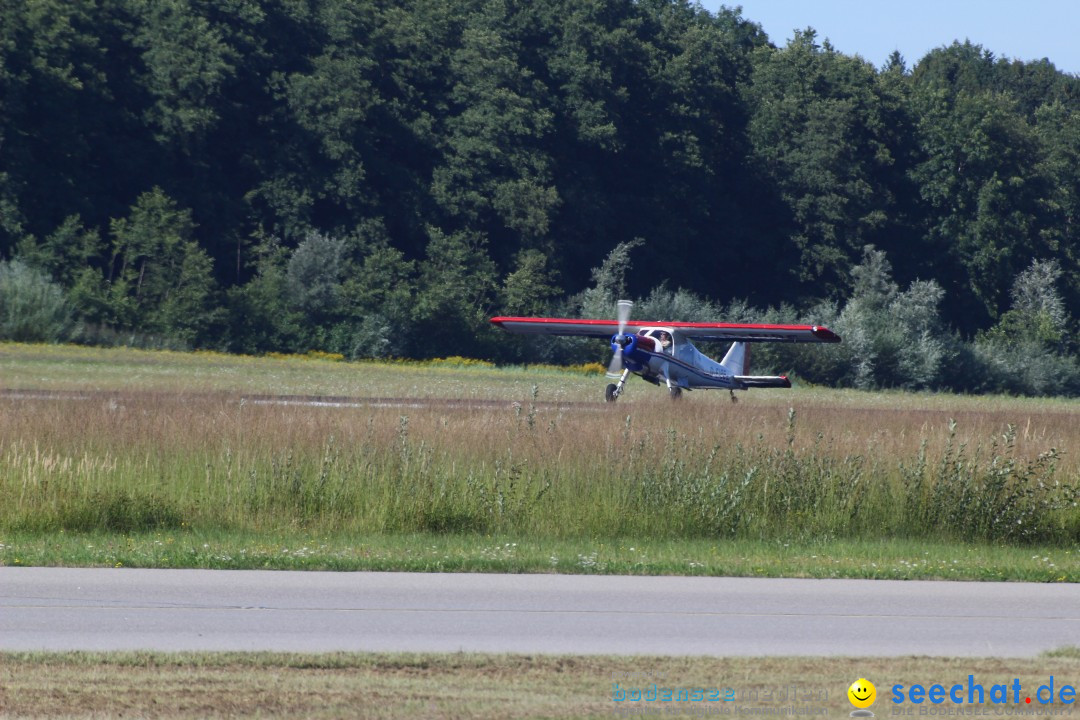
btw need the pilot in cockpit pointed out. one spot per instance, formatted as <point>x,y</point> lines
<point>665,341</point>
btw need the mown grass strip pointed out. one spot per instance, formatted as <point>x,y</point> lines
<point>438,552</point>
<point>479,687</point>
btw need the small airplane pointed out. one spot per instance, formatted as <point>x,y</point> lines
<point>661,352</point>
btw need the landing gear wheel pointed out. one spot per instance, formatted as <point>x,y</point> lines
<point>611,393</point>
<point>733,398</point>
<point>675,393</point>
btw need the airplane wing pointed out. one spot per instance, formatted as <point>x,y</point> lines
<point>746,332</point>
<point>724,332</point>
<point>562,326</point>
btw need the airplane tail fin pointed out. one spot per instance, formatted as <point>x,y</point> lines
<point>737,360</point>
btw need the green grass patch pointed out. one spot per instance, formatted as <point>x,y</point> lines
<point>441,552</point>
<point>475,686</point>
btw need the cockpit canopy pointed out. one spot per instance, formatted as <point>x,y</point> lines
<point>653,339</point>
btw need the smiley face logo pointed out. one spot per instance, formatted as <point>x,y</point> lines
<point>862,693</point>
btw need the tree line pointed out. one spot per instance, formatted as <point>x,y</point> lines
<point>378,177</point>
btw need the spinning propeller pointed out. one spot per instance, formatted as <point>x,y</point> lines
<point>621,340</point>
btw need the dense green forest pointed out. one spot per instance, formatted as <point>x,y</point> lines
<point>378,177</point>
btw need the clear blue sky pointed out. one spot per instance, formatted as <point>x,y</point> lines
<point>1017,29</point>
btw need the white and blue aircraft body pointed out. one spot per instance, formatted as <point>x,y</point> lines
<point>662,352</point>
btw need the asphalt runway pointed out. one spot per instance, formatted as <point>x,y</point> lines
<point>173,610</point>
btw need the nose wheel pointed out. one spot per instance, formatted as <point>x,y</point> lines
<point>614,390</point>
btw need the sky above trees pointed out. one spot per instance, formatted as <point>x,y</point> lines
<point>1032,30</point>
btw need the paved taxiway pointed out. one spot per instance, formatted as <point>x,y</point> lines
<point>109,609</point>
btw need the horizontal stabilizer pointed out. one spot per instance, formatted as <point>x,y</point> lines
<point>763,381</point>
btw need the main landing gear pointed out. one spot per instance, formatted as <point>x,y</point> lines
<point>614,390</point>
<point>674,391</point>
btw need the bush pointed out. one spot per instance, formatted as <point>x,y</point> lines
<point>314,275</point>
<point>120,512</point>
<point>114,511</point>
<point>32,307</point>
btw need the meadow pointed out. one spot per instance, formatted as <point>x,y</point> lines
<point>165,459</point>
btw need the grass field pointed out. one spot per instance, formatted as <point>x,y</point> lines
<point>171,467</point>
<point>481,687</point>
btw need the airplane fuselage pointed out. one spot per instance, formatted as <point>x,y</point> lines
<point>679,365</point>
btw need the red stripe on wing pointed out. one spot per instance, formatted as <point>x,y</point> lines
<point>748,332</point>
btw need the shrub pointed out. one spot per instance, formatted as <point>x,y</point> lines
<point>314,275</point>
<point>32,307</point>
<point>114,511</point>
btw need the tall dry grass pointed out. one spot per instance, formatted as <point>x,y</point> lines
<point>648,469</point>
